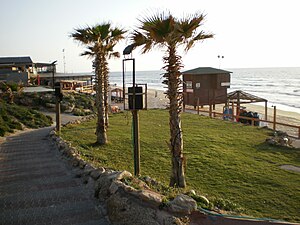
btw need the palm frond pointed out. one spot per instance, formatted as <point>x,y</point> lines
<point>81,35</point>
<point>199,37</point>
<point>101,31</point>
<point>114,55</point>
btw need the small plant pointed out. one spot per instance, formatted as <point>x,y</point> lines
<point>225,204</point>
<point>202,201</point>
<point>132,182</point>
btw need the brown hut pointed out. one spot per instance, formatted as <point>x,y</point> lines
<point>205,86</point>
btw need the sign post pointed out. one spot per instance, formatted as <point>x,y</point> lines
<point>59,97</point>
<point>135,102</point>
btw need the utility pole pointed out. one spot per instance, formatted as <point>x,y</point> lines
<point>64,59</point>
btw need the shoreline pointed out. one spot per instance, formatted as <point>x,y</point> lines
<point>157,100</point>
<point>281,107</point>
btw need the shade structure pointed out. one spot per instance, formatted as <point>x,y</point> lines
<point>240,97</point>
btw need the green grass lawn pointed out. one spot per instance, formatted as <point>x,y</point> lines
<point>224,159</point>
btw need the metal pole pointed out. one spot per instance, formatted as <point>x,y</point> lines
<point>123,67</point>
<point>266,110</point>
<point>133,84</point>
<point>136,140</point>
<point>198,110</point>
<point>58,123</point>
<point>146,97</point>
<point>274,119</point>
<point>135,120</point>
<point>52,76</point>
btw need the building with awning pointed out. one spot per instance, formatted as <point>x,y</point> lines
<point>23,69</point>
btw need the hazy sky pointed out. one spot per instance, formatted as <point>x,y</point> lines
<point>248,33</point>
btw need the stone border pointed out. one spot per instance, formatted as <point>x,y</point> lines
<point>123,203</point>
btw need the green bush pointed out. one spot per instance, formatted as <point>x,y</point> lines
<point>13,116</point>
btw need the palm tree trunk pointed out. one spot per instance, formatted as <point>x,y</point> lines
<point>106,95</point>
<point>175,96</point>
<point>100,129</point>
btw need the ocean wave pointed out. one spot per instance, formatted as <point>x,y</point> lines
<point>271,92</point>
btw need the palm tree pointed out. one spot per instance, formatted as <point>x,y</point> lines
<point>100,41</point>
<point>165,31</point>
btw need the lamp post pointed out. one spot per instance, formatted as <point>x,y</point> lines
<point>220,57</point>
<point>134,110</point>
<point>53,71</point>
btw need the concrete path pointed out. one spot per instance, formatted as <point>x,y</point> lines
<point>37,187</point>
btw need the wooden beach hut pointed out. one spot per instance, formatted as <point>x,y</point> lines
<point>205,86</point>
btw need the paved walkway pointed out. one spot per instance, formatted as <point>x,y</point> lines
<point>36,187</point>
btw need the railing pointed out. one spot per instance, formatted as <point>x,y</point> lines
<point>213,114</point>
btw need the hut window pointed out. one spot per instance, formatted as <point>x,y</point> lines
<point>225,84</point>
<point>198,85</point>
<point>189,85</point>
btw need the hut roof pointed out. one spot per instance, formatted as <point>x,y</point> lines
<point>24,60</point>
<point>206,70</point>
<point>243,97</point>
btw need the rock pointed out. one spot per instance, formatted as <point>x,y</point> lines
<point>183,204</point>
<point>150,181</point>
<point>67,107</point>
<point>103,183</point>
<point>88,169</point>
<point>77,122</point>
<point>75,162</point>
<point>115,185</point>
<point>271,141</point>
<point>95,174</point>
<point>121,175</point>
<point>50,105</point>
<point>87,111</point>
<point>82,164</point>
<point>52,133</point>
<point>78,173</point>
<point>150,196</point>
<point>90,183</point>
<point>118,175</point>
<point>126,211</point>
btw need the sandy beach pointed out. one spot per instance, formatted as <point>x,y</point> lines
<point>157,99</point>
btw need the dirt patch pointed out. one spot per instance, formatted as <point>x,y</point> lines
<point>290,167</point>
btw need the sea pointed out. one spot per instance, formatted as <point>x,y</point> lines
<point>280,86</point>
